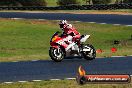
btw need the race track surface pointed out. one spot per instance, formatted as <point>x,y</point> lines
<point>98,18</point>
<point>45,70</point>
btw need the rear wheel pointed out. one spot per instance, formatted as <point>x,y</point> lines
<point>89,55</point>
<point>56,54</point>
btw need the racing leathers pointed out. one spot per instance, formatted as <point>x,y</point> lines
<point>69,30</point>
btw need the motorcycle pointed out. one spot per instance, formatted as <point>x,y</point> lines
<point>62,46</point>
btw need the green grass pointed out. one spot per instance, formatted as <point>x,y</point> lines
<point>119,11</point>
<point>29,39</point>
<point>62,84</point>
<point>53,2</point>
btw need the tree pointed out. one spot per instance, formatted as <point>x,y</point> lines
<point>88,1</point>
<point>33,2</point>
<point>23,3</point>
<point>67,2</point>
<point>8,2</point>
<point>101,1</point>
<point>119,1</point>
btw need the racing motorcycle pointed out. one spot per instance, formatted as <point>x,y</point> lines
<point>61,48</point>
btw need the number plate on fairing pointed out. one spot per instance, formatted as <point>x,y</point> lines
<point>86,49</point>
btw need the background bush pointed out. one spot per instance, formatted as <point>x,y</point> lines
<point>101,1</point>
<point>8,2</point>
<point>127,1</point>
<point>67,2</point>
<point>23,3</point>
<point>32,2</point>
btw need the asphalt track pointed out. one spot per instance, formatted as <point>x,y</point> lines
<point>98,18</point>
<point>45,70</point>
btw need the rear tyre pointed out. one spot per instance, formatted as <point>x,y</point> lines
<point>56,54</point>
<point>89,55</point>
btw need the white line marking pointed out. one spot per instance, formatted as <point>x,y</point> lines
<point>36,80</point>
<point>8,82</point>
<point>92,22</point>
<point>35,60</point>
<point>15,61</point>
<point>70,78</point>
<point>128,25</point>
<point>22,81</point>
<point>102,23</point>
<point>77,21</point>
<point>16,18</point>
<point>54,79</point>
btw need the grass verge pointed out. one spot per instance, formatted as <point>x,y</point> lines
<point>62,84</point>
<point>29,39</point>
<point>118,12</point>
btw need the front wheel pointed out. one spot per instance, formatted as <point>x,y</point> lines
<point>56,54</point>
<point>90,54</point>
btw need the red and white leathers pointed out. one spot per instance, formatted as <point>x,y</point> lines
<point>69,30</point>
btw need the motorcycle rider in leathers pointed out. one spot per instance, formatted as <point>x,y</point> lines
<point>69,30</point>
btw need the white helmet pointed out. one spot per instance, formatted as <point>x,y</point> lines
<point>62,23</point>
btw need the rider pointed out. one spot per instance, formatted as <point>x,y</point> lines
<point>68,29</point>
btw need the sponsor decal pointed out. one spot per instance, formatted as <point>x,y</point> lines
<point>82,78</point>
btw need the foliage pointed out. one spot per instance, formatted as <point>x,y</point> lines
<point>127,1</point>
<point>67,2</point>
<point>101,1</point>
<point>23,3</point>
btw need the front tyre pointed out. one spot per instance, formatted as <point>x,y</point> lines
<point>56,54</point>
<point>90,54</point>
